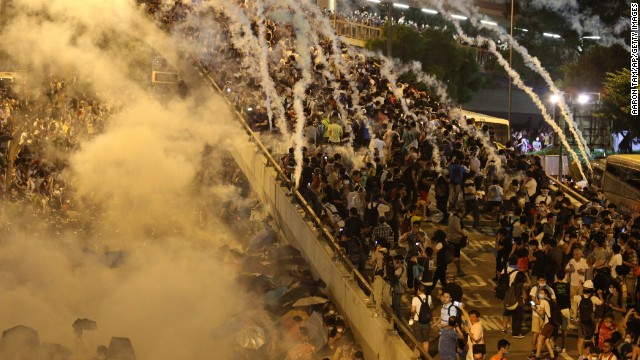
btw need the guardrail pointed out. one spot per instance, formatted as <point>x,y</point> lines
<point>363,283</point>
<point>569,192</point>
<point>356,30</point>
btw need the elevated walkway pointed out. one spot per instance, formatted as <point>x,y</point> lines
<point>349,289</point>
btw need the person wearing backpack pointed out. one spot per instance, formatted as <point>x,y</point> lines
<point>442,197</point>
<point>587,303</point>
<point>514,299</point>
<point>563,300</point>
<point>421,317</point>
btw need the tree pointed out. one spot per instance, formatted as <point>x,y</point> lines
<point>440,55</point>
<point>615,102</point>
<point>589,71</point>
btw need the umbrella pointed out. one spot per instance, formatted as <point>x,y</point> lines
<point>81,325</point>
<point>257,281</point>
<point>120,348</point>
<point>251,337</point>
<point>296,312</point>
<point>296,292</point>
<point>272,297</point>
<point>317,333</point>
<point>311,300</point>
<point>261,240</point>
<point>19,340</point>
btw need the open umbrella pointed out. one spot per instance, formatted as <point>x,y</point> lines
<point>121,348</point>
<point>296,312</point>
<point>251,337</point>
<point>19,341</point>
<point>310,300</point>
<point>81,325</point>
<point>272,297</point>
<point>317,332</point>
<point>284,251</point>
<point>262,240</point>
<point>296,292</point>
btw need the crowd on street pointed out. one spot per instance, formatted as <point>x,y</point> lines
<point>381,159</point>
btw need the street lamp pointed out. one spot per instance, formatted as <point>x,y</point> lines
<point>510,60</point>
<point>583,99</point>
<point>554,98</point>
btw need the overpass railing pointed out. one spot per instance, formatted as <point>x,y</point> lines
<point>355,30</point>
<point>405,333</point>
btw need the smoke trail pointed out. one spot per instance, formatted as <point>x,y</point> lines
<point>516,80</point>
<point>535,65</point>
<point>581,22</point>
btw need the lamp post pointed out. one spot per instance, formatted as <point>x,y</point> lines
<point>554,100</point>
<point>511,61</point>
<point>389,27</point>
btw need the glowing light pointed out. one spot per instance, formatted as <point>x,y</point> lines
<point>459,17</point>
<point>554,98</point>
<point>555,36</point>
<point>583,99</point>
<point>429,11</point>
<point>487,22</point>
<point>592,37</point>
<point>401,6</point>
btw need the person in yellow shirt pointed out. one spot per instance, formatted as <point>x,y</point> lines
<point>335,132</point>
<point>503,348</point>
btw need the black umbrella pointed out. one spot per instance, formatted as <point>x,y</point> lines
<point>81,325</point>
<point>296,292</point>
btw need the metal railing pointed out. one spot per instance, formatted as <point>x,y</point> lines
<point>356,30</point>
<point>356,275</point>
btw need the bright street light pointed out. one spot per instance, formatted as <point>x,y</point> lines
<point>459,17</point>
<point>486,22</point>
<point>374,1</point>
<point>592,37</point>
<point>555,36</point>
<point>583,99</point>
<point>429,11</point>
<point>401,6</point>
<point>554,98</point>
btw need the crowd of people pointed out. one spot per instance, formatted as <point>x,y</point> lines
<point>571,267</point>
<point>380,159</point>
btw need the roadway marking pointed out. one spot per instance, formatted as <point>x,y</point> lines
<point>475,301</point>
<point>471,281</point>
<point>464,256</point>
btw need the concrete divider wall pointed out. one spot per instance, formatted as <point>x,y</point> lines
<point>371,333</point>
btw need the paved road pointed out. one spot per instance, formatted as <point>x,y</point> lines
<point>478,262</point>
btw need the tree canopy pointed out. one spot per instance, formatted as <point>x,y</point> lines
<point>615,102</point>
<point>440,55</point>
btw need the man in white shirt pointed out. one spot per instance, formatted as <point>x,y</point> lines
<point>420,331</point>
<point>576,268</point>
<point>475,331</point>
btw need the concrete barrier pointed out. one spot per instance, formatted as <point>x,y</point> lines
<point>371,333</point>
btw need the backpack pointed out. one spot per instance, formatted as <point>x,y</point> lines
<point>554,313</point>
<point>389,270</point>
<point>458,314</point>
<point>585,311</point>
<point>503,284</point>
<point>424,315</point>
<point>371,215</point>
<point>512,296</point>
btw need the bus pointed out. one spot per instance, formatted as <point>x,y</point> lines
<point>621,182</point>
<point>500,126</point>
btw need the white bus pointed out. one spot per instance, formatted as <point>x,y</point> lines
<point>621,181</point>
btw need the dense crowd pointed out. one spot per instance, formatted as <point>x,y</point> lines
<point>381,159</point>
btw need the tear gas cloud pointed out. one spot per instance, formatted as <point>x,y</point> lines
<point>172,289</point>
